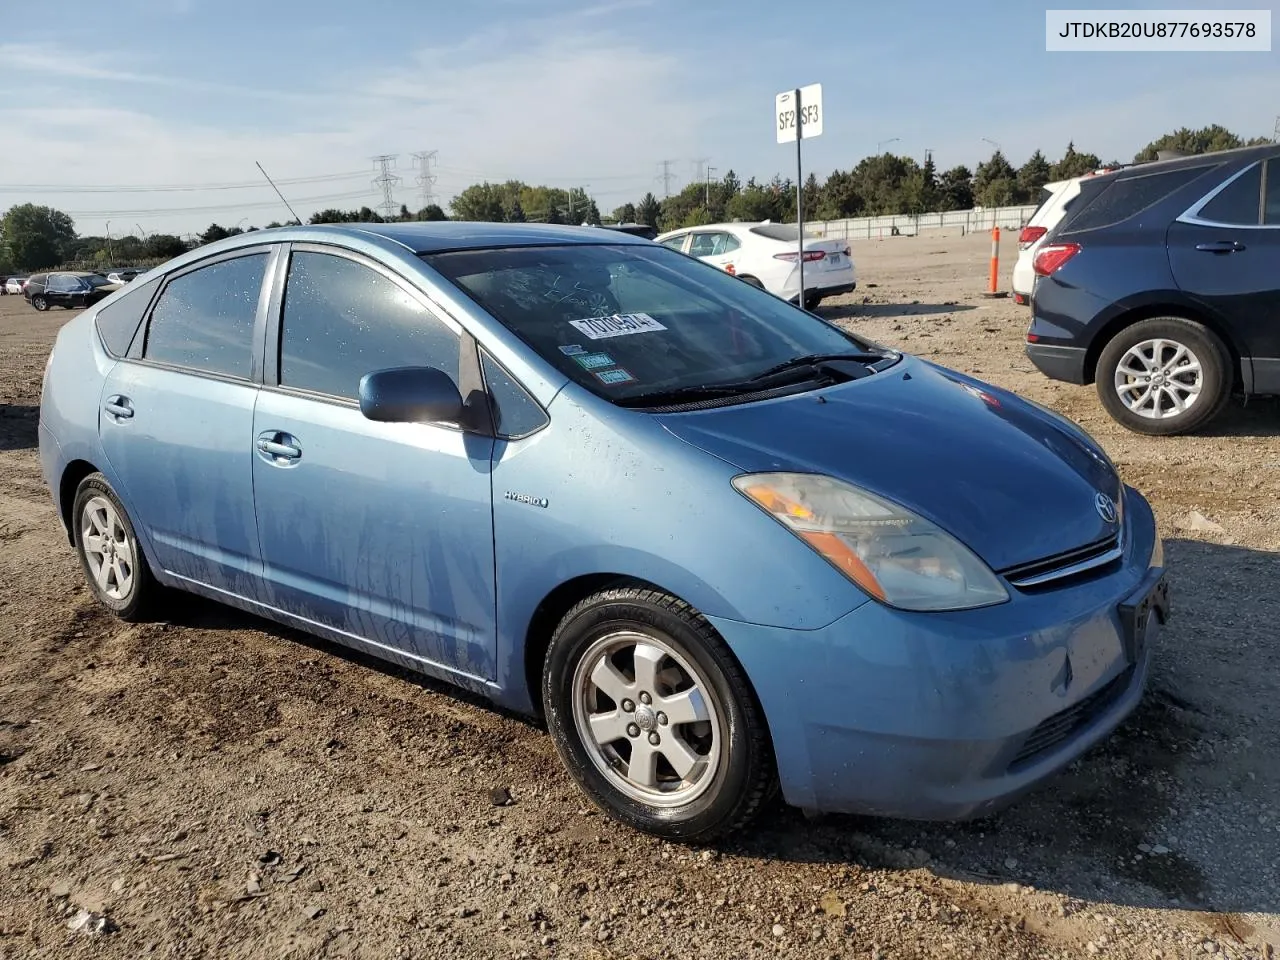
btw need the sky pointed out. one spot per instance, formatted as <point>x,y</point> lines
<point>149,115</point>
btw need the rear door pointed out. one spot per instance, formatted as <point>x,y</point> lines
<point>177,421</point>
<point>716,247</point>
<point>1225,252</point>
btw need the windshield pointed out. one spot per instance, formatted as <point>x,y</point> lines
<point>636,319</point>
<point>96,281</point>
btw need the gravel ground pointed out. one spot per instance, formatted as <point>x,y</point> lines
<point>219,786</point>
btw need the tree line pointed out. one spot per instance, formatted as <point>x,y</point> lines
<point>36,237</point>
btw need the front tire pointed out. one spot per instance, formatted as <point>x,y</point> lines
<point>1164,376</point>
<point>40,303</point>
<point>654,717</point>
<point>109,552</point>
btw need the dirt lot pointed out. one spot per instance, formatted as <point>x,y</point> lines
<point>221,787</point>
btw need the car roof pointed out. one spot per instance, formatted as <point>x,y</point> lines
<point>439,236</point>
<point>1238,155</point>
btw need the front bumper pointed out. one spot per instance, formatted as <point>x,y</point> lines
<point>1057,362</point>
<point>951,716</point>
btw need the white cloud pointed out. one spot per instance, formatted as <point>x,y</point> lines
<point>550,102</point>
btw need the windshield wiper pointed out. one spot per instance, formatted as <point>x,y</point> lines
<point>809,360</point>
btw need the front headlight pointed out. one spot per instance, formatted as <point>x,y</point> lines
<point>894,555</point>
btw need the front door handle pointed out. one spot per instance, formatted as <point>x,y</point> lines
<point>1221,246</point>
<point>118,407</point>
<point>279,446</point>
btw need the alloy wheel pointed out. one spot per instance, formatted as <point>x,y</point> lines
<point>1158,379</point>
<point>108,549</point>
<point>649,720</point>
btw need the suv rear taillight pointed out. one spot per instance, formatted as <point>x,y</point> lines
<point>809,256</point>
<point>1030,235</point>
<point>1053,256</point>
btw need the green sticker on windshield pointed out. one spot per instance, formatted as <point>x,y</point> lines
<point>611,377</point>
<point>594,361</point>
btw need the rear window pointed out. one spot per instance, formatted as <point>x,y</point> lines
<point>118,322</point>
<point>1240,201</point>
<point>1120,200</point>
<point>786,232</point>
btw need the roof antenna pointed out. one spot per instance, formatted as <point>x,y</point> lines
<point>279,194</point>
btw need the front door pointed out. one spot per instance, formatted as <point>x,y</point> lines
<point>177,423</point>
<point>380,531</point>
<point>1227,255</point>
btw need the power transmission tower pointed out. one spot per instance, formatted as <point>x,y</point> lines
<point>386,181</point>
<point>699,166</point>
<point>666,177</point>
<point>423,160</point>
<point>710,171</point>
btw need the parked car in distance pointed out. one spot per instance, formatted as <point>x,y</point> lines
<point>765,255</point>
<point>124,276</point>
<point>13,285</point>
<point>720,544</point>
<point>1161,287</point>
<point>68,289</point>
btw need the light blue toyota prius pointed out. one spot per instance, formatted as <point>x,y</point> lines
<point>721,545</point>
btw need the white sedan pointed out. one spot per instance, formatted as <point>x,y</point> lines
<point>14,285</point>
<point>765,255</point>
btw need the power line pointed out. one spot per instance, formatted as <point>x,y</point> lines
<point>171,187</point>
<point>386,181</point>
<point>666,177</point>
<point>423,160</point>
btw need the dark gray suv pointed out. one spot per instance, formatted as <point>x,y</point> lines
<point>1162,286</point>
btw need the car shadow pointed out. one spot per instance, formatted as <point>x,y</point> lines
<point>1175,810</point>
<point>200,613</point>
<point>868,311</point>
<point>1171,811</point>
<point>18,423</point>
<point>1256,417</point>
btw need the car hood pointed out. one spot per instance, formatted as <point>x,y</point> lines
<point>1007,479</point>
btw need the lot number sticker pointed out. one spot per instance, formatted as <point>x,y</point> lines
<point>618,325</point>
<point>594,361</point>
<point>614,376</point>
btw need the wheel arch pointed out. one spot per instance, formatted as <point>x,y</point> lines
<point>1164,308</point>
<point>563,598</point>
<point>72,476</point>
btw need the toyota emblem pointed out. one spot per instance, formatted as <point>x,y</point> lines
<point>1106,507</point>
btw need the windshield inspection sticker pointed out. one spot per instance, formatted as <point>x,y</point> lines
<point>618,325</point>
<point>611,377</point>
<point>572,349</point>
<point>594,361</point>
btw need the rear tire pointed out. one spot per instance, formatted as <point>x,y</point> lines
<point>1164,376</point>
<point>753,281</point>
<point>654,717</point>
<point>110,554</point>
<point>40,303</point>
<point>812,300</point>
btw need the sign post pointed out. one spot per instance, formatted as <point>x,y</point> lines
<point>798,116</point>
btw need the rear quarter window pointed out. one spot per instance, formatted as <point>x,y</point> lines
<point>118,322</point>
<point>1239,202</point>
<point>1120,200</point>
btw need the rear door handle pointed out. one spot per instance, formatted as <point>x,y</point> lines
<point>278,446</point>
<point>119,407</point>
<point>1221,246</point>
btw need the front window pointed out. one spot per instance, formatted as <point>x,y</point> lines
<point>634,321</point>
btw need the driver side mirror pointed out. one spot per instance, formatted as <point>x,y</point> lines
<point>410,395</point>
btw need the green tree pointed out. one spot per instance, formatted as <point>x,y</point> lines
<point>1075,164</point>
<point>479,202</point>
<point>995,183</point>
<point>34,236</point>
<point>625,213</point>
<point>648,211</point>
<point>840,197</point>
<point>404,213</point>
<point>163,246</point>
<point>1205,140</point>
<point>593,213</point>
<point>432,212</point>
<point>515,212</point>
<point>812,195</point>
<point>956,187</point>
<point>213,233</point>
<point>1033,175</point>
